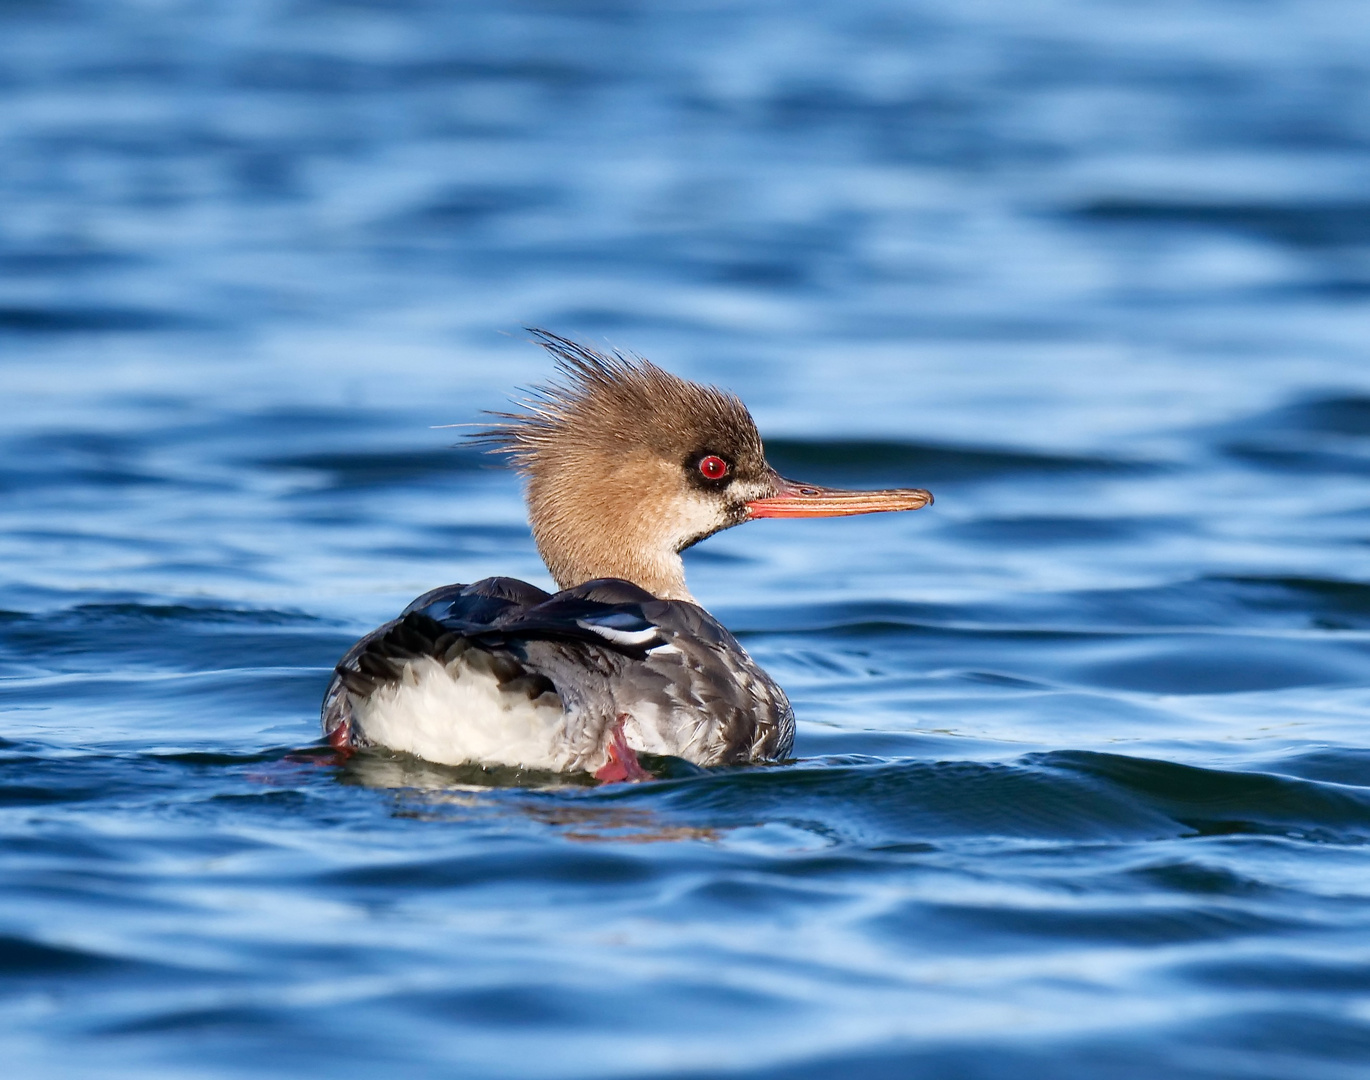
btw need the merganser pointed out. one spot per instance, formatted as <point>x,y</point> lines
<point>626,466</point>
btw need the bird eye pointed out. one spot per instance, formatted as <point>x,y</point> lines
<point>713,467</point>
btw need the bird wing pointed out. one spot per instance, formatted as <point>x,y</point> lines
<point>606,639</point>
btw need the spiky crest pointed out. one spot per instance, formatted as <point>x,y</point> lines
<point>607,452</point>
<point>612,396</point>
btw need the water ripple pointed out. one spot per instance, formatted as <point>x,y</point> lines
<point>1080,788</point>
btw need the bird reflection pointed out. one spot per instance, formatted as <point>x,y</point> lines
<point>442,792</point>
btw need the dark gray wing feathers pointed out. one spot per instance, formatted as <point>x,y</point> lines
<point>603,639</point>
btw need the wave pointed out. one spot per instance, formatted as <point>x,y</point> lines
<point>882,461</point>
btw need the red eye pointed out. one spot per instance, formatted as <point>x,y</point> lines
<point>713,467</point>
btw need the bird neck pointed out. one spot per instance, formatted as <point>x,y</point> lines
<point>590,534</point>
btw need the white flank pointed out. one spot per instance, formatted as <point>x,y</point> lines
<point>453,715</point>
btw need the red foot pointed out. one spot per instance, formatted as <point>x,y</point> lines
<point>340,738</point>
<point>622,763</point>
<point>284,769</point>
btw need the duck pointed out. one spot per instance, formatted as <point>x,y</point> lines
<point>625,466</point>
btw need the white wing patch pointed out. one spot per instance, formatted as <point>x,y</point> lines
<point>632,638</point>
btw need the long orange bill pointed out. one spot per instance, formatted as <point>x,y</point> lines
<point>793,500</point>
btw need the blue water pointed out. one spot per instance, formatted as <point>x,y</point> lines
<point>1082,787</point>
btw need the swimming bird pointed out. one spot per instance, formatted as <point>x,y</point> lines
<point>625,466</point>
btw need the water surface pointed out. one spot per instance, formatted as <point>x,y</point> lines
<point>1082,779</point>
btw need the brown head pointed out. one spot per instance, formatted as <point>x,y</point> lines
<point>628,465</point>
